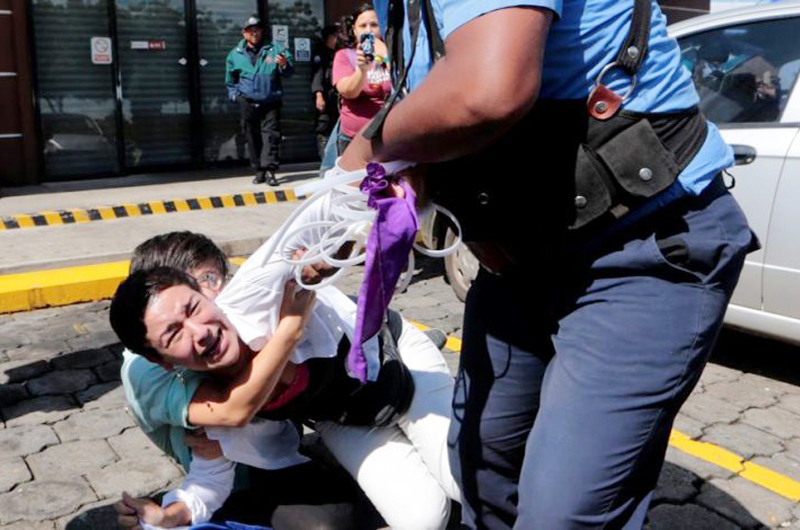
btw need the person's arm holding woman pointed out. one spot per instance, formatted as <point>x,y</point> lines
<point>234,404</point>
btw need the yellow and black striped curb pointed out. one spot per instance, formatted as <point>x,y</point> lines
<point>102,213</point>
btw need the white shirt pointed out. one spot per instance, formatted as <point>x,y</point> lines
<point>261,443</point>
<point>252,300</point>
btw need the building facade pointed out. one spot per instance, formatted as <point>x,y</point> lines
<point>92,88</point>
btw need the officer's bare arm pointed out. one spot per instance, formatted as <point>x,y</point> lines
<point>488,80</point>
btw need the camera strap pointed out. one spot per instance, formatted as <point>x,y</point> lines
<point>400,67</point>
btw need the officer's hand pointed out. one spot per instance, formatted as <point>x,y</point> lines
<point>200,445</point>
<point>357,154</point>
<point>281,60</point>
<point>320,102</point>
<point>316,272</point>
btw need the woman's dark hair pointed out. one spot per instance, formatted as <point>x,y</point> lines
<point>131,300</point>
<point>184,251</point>
<point>345,36</point>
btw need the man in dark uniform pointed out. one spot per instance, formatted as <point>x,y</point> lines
<point>325,95</point>
<point>253,73</point>
<point>566,138</point>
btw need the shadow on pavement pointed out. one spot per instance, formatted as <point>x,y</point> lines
<point>287,180</point>
<point>95,518</point>
<point>685,501</point>
<point>63,383</point>
<point>758,355</point>
<point>426,268</point>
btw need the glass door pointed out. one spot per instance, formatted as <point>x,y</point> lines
<point>155,71</point>
<point>77,106</point>
<point>219,29</point>
<point>129,85</point>
<point>302,21</point>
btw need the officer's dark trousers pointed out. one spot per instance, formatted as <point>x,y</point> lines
<point>571,374</point>
<point>261,124</point>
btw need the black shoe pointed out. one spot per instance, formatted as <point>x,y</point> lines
<point>271,179</point>
<point>437,336</point>
<point>260,178</point>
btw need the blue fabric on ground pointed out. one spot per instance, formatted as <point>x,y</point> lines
<point>228,525</point>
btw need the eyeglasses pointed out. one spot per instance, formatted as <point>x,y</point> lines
<point>211,280</point>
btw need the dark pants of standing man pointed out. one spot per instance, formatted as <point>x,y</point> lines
<point>600,349</point>
<point>261,123</point>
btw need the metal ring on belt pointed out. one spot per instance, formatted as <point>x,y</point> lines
<point>605,70</point>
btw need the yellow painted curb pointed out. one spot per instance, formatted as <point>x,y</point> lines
<point>766,478</point>
<point>27,291</point>
<point>35,290</point>
<point>453,343</point>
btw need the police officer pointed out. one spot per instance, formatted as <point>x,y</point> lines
<point>253,73</point>
<point>565,136</point>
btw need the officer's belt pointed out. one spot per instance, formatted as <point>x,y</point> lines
<point>510,259</point>
<point>562,170</point>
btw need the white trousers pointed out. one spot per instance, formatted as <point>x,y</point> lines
<point>404,468</point>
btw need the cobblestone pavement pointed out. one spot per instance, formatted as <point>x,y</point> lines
<point>68,447</point>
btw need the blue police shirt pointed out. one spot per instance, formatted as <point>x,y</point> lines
<point>585,36</point>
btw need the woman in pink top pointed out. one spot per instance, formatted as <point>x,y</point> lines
<point>363,82</point>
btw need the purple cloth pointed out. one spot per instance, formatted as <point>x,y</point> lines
<point>388,246</point>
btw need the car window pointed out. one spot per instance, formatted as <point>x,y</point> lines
<point>744,73</point>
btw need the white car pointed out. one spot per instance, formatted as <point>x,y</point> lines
<point>745,63</point>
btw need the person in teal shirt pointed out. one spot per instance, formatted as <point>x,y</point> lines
<point>299,493</point>
<point>253,73</point>
<point>158,400</point>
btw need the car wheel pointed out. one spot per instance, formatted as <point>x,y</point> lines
<point>461,267</point>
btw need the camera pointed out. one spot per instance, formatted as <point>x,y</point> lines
<point>367,41</point>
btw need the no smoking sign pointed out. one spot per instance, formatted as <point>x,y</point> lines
<point>101,50</point>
